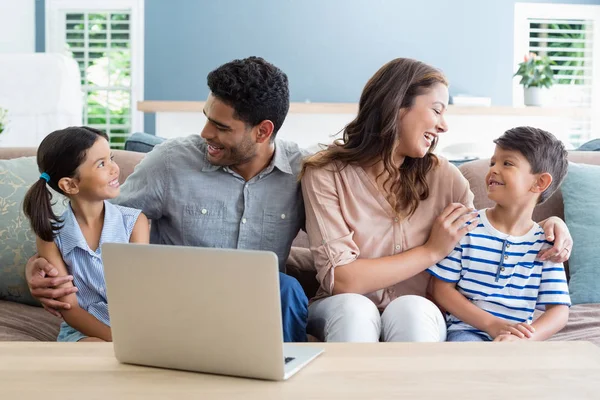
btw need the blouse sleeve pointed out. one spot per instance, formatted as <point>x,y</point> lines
<point>130,216</point>
<point>331,240</point>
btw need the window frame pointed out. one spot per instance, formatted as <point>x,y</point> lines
<point>55,40</point>
<point>525,11</point>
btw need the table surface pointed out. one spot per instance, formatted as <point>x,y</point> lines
<point>546,370</point>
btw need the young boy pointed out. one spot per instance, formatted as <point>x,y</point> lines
<point>491,282</point>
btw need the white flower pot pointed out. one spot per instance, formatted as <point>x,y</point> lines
<point>536,96</point>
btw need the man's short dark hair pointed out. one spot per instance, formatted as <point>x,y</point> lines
<point>544,152</point>
<point>257,90</point>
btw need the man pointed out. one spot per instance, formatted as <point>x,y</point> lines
<point>234,186</point>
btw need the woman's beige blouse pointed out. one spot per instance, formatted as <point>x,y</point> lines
<point>347,217</point>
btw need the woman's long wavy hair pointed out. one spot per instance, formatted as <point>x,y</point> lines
<point>374,133</point>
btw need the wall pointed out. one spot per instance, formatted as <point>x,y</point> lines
<point>329,48</point>
<point>17,26</point>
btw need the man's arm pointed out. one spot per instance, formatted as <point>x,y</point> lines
<point>46,285</point>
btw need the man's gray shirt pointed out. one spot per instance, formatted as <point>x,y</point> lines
<point>194,203</point>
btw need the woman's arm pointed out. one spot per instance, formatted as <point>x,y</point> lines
<point>76,317</point>
<point>336,255</point>
<point>141,230</point>
<point>556,231</point>
<point>368,275</point>
<point>364,276</point>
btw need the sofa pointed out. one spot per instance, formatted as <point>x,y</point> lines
<point>21,322</point>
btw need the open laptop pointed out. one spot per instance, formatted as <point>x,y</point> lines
<point>199,309</point>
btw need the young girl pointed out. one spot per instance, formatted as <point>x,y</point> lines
<point>77,162</point>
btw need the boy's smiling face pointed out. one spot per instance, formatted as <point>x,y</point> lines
<point>509,180</point>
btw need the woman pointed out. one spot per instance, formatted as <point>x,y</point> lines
<point>381,208</point>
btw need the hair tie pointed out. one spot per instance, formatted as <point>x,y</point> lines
<point>45,177</point>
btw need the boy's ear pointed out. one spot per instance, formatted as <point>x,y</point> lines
<point>542,182</point>
<point>68,186</point>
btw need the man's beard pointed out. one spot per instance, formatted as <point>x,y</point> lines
<point>240,154</point>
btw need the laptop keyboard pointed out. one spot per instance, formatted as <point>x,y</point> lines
<point>288,359</point>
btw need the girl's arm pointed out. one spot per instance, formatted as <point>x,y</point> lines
<point>141,230</point>
<point>76,317</point>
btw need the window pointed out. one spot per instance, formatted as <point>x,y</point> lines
<point>570,36</point>
<point>105,37</point>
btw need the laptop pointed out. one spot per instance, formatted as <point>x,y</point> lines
<point>199,309</point>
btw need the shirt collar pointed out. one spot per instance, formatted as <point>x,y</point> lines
<point>71,235</point>
<point>280,161</point>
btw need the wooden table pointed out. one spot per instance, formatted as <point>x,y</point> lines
<point>507,371</point>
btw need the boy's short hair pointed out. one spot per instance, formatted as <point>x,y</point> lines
<point>544,152</point>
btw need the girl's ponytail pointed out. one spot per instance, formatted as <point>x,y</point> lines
<point>58,156</point>
<point>37,206</point>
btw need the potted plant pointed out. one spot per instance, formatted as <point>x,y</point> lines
<point>536,77</point>
<point>3,119</point>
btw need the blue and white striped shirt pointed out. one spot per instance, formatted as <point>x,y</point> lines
<point>499,273</point>
<point>85,264</point>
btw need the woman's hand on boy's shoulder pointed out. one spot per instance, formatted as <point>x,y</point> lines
<point>556,231</point>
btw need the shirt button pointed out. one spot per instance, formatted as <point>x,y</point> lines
<point>508,245</point>
<point>282,216</point>
<point>502,269</point>
<point>506,257</point>
<point>204,211</point>
<point>397,247</point>
<point>396,219</point>
<point>243,220</point>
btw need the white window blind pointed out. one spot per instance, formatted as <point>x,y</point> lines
<point>568,35</point>
<point>105,39</point>
<point>569,43</point>
<point>100,43</point>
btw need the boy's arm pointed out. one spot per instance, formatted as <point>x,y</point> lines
<point>446,274</point>
<point>76,317</point>
<point>455,303</point>
<point>553,294</point>
<point>553,320</point>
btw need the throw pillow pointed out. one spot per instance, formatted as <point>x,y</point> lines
<point>17,241</point>
<point>581,195</point>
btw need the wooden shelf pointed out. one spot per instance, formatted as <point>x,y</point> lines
<point>352,108</point>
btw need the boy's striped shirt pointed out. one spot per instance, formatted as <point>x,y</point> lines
<point>500,274</point>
